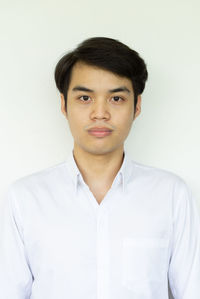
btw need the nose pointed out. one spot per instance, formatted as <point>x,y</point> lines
<point>100,110</point>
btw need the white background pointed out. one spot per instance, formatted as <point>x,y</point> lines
<point>34,35</point>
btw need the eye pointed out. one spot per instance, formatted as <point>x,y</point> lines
<point>85,98</point>
<point>116,99</point>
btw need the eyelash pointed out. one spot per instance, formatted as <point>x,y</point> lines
<point>113,97</point>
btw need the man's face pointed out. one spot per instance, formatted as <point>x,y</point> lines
<point>99,108</point>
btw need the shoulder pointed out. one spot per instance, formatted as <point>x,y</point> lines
<point>43,178</point>
<point>158,177</point>
<point>163,183</point>
<point>154,172</point>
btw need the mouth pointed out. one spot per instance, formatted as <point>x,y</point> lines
<point>100,132</point>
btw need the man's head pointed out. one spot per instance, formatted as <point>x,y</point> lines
<point>106,53</point>
<point>89,78</point>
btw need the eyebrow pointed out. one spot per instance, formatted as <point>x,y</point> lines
<point>82,88</point>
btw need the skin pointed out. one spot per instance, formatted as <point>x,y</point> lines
<point>99,158</point>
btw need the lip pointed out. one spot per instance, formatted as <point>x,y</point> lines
<point>100,133</point>
<point>98,129</point>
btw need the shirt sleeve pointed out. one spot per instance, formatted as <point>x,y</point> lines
<point>184,267</point>
<point>15,274</point>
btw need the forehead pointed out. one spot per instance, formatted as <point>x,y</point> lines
<point>85,74</point>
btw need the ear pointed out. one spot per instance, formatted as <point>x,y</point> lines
<point>63,105</point>
<point>138,107</point>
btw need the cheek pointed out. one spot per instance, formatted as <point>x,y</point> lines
<point>124,118</point>
<point>77,122</point>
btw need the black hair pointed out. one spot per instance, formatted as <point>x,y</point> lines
<point>108,54</point>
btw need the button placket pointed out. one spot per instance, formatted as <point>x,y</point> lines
<point>103,256</point>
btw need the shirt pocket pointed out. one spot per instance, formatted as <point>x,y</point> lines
<point>144,261</point>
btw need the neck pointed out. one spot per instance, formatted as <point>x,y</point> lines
<point>98,168</point>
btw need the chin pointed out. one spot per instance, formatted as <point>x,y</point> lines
<point>101,150</point>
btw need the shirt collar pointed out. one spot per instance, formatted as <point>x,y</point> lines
<point>121,177</point>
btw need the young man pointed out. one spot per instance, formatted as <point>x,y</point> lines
<point>100,225</point>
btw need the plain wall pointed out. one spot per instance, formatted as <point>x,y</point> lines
<point>34,36</point>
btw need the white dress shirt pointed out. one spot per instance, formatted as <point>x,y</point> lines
<point>58,242</point>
